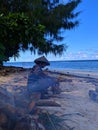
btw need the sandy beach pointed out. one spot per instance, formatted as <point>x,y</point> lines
<point>78,110</point>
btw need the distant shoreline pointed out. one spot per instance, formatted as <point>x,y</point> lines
<point>54,61</point>
<point>84,65</point>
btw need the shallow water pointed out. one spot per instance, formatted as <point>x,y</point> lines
<point>86,65</point>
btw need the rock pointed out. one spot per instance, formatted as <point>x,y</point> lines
<point>10,108</point>
<point>3,118</point>
<point>93,95</point>
<point>7,119</point>
<point>47,103</point>
<point>22,125</point>
<point>56,90</point>
<point>5,70</point>
<point>27,123</point>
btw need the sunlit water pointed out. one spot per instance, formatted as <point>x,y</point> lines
<point>85,65</point>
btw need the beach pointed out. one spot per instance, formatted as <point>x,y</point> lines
<point>77,109</point>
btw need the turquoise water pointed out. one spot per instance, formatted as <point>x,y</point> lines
<point>85,65</point>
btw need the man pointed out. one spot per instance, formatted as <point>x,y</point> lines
<point>38,81</point>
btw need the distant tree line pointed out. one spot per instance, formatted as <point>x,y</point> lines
<point>34,25</point>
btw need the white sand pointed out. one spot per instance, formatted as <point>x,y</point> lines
<point>80,112</point>
<point>83,73</point>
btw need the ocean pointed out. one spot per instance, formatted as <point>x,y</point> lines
<point>83,65</point>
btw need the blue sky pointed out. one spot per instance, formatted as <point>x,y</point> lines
<point>82,41</point>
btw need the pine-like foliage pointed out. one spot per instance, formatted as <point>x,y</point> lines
<point>34,25</point>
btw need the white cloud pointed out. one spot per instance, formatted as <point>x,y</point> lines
<point>80,55</point>
<point>96,56</point>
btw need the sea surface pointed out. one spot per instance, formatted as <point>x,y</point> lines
<point>83,65</point>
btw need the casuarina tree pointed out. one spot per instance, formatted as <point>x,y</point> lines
<point>35,25</point>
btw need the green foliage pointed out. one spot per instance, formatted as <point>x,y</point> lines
<point>17,31</point>
<point>54,122</point>
<point>50,121</point>
<point>34,25</point>
<point>2,56</point>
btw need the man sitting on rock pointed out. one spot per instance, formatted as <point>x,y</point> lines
<point>38,81</point>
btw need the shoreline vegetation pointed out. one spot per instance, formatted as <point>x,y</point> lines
<point>72,107</point>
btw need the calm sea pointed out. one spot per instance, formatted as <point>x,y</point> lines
<point>85,65</point>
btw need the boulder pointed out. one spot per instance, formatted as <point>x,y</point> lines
<point>93,95</point>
